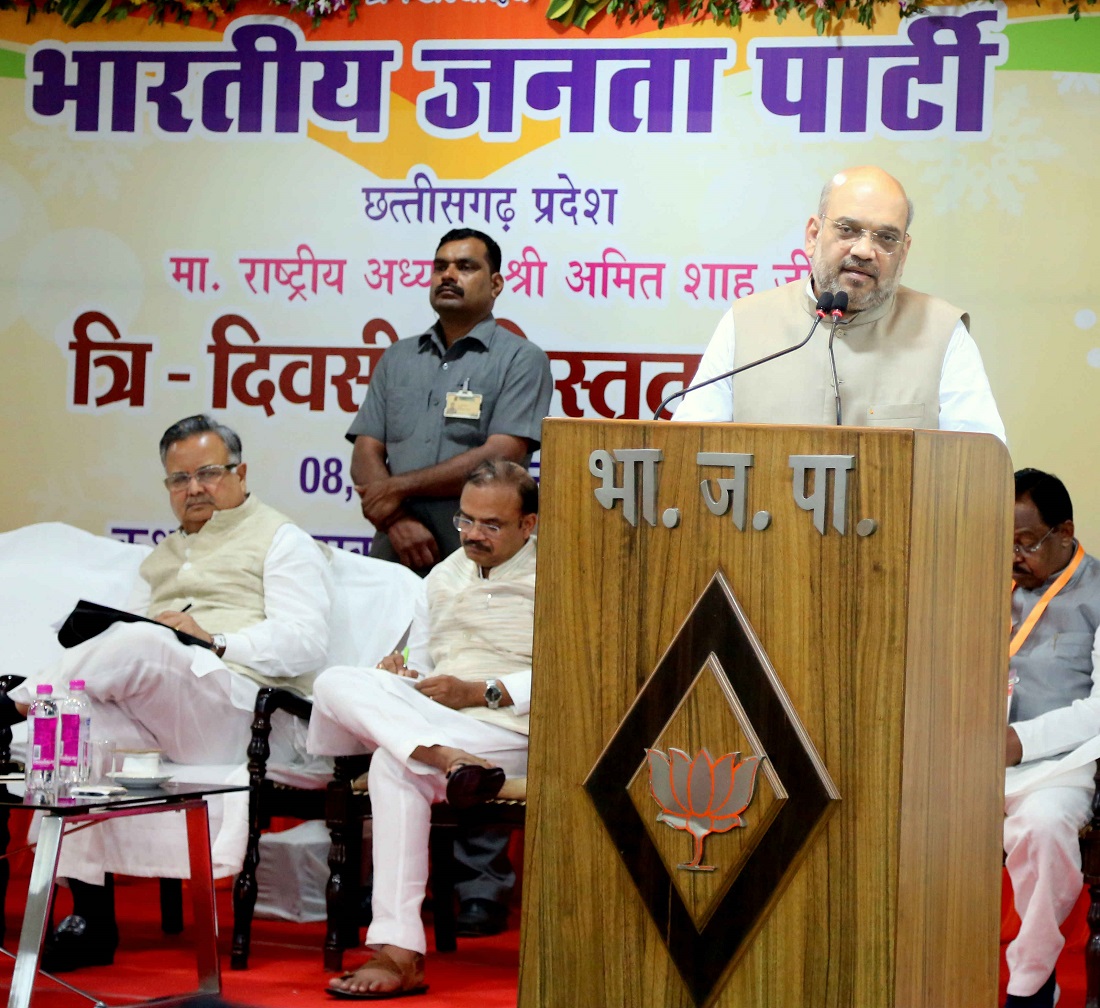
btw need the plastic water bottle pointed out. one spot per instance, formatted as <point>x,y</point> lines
<point>42,765</point>
<point>74,763</point>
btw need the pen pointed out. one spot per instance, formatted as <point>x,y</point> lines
<point>186,607</point>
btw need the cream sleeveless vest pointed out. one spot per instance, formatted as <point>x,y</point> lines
<point>888,360</point>
<point>219,571</point>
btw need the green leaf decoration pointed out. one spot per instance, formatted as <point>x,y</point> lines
<point>578,13</point>
<point>572,13</point>
<point>585,12</point>
<point>560,8</point>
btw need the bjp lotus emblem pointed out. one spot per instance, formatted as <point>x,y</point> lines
<point>701,795</point>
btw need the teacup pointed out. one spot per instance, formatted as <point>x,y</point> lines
<point>139,762</point>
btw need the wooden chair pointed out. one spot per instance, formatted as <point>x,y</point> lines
<point>348,809</point>
<point>266,799</point>
<point>373,605</point>
<point>345,809</point>
<point>501,813</point>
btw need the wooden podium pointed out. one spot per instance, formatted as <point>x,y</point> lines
<point>831,600</point>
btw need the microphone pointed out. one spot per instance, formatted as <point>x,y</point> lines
<point>840,302</point>
<point>824,304</point>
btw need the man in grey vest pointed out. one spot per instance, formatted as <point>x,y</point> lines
<point>1054,720</point>
<point>903,359</point>
<point>237,575</point>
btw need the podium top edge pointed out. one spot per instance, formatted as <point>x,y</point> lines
<point>915,433</point>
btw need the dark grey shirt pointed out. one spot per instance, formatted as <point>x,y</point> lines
<point>407,397</point>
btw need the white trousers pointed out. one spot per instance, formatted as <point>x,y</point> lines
<point>144,695</point>
<point>1043,858</point>
<point>358,709</point>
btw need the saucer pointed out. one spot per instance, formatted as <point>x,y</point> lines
<point>138,783</point>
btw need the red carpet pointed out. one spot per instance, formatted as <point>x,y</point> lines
<point>285,968</point>
<point>1071,964</point>
<point>286,959</point>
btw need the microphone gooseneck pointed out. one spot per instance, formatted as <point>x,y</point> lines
<point>824,304</point>
<point>840,304</point>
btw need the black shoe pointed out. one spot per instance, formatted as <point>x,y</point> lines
<point>479,918</point>
<point>74,945</point>
<point>1042,998</point>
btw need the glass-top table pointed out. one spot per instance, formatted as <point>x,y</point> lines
<point>171,796</point>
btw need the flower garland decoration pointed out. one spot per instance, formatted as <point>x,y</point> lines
<point>320,10</point>
<point>78,12</point>
<point>729,12</point>
<point>574,13</point>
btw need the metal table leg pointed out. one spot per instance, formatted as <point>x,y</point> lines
<point>202,896</point>
<point>43,872</point>
<point>43,876</point>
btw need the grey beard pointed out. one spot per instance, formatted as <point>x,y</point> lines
<point>829,280</point>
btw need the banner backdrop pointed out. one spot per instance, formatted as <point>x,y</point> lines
<point>241,218</point>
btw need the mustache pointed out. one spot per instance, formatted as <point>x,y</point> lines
<point>445,285</point>
<point>472,544</point>
<point>860,266</point>
<point>199,499</point>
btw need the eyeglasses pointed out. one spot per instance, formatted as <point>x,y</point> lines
<point>881,241</point>
<point>1018,550</point>
<point>207,476</point>
<point>464,524</point>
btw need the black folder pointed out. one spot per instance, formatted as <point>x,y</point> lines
<point>89,619</point>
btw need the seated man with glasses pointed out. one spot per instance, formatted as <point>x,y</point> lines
<point>449,724</point>
<point>238,575</point>
<point>902,358</point>
<point>1054,710</point>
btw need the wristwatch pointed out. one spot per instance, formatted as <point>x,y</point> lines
<point>493,694</point>
<point>218,640</point>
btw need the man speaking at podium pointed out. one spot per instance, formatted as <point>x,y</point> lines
<point>903,359</point>
<point>1053,735</point>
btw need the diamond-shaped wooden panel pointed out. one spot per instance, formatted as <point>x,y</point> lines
<point>707,931</point>
<point>728,851</point>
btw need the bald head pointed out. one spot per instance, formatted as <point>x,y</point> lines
<point>858,240</point>
<point>868,178</point>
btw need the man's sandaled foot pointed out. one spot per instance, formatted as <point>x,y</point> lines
<point>381,977</point>
<point>469,784</point>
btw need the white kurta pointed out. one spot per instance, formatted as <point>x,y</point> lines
<point>1047,801</point>
<point>149,691</point>
<point>966,400</point>
<point>478,628</point>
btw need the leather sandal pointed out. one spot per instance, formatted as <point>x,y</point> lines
<point>469,784</point>
<point>409,979</point>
